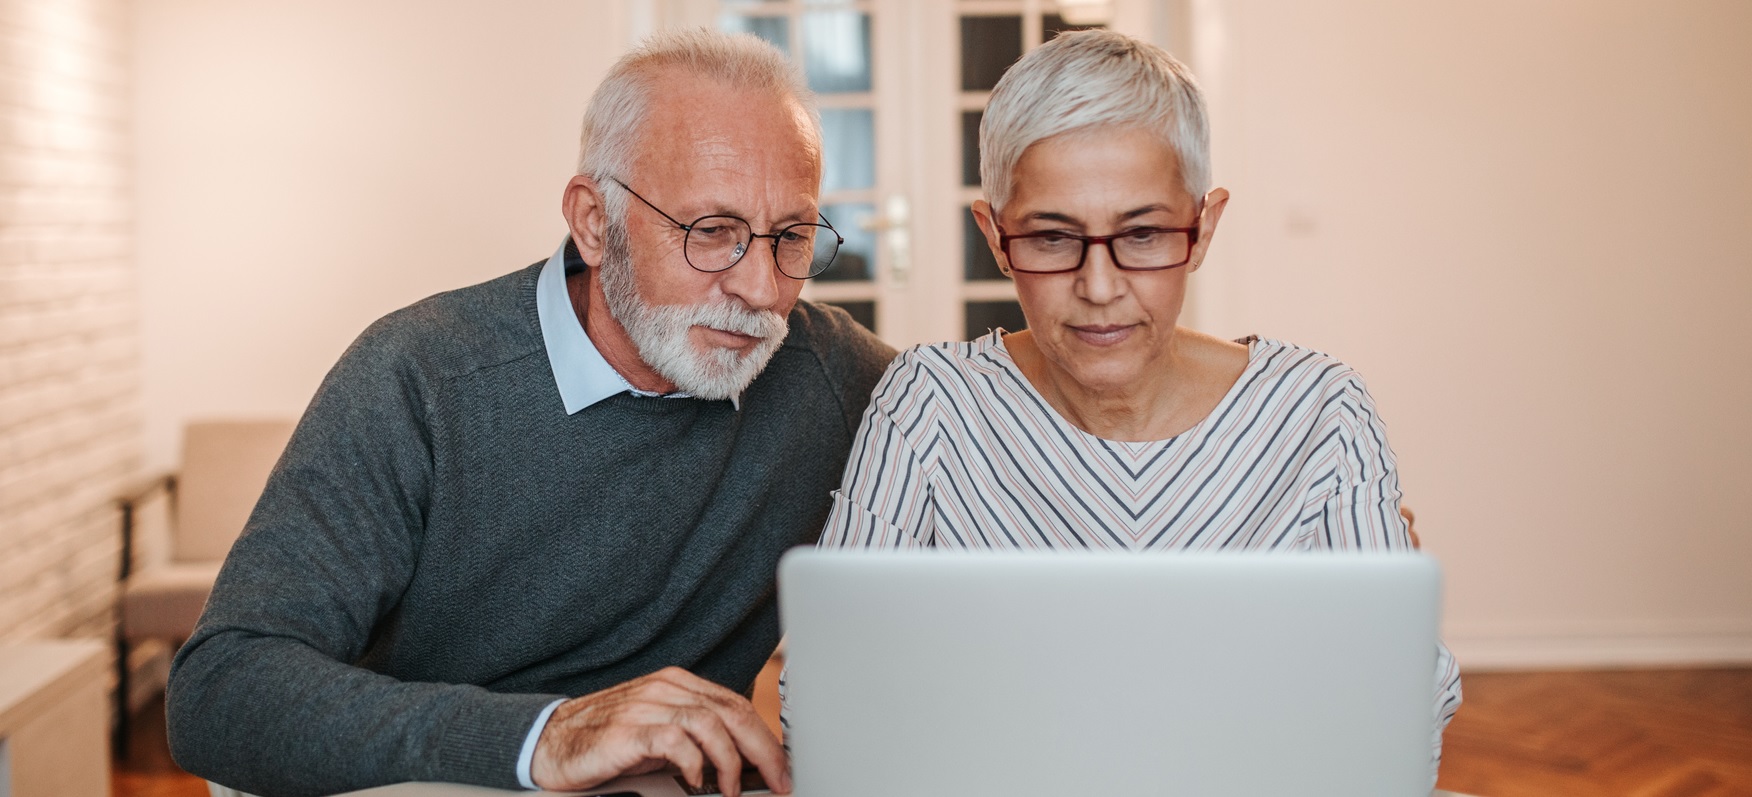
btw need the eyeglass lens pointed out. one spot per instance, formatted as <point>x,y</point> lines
<point>1142,249</point>
<point>716,243</point>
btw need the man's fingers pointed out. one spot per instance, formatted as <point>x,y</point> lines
<point>671,743</point>
<point>757,744</point>
<point>708,731</point>
<point>671,715</point>
<point>737,717</point>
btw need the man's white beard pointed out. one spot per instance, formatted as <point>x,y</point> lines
<point>661,332</point>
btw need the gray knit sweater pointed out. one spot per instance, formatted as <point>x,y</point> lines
<point>442,550</point>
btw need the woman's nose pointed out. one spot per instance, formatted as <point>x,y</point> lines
<point>1099,280</point>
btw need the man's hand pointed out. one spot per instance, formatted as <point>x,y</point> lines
<point>670,716</point>
<point>1410,525</point>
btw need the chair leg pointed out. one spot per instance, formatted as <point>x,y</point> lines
<point>119,742</point>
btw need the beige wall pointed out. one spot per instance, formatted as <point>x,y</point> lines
<point>1526,223</point>
<point>306,167</point>
<point>70,414</point>
<point>1523,221</point>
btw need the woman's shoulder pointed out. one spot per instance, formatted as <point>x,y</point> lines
<point>963,358</point>
<point>950,371</point>
<point>1279,360</point>
<point>1285,379</point>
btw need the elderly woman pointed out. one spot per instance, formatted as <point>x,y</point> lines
<point>1105,424</point>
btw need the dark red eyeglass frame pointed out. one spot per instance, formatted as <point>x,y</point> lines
<point>1005,238</point>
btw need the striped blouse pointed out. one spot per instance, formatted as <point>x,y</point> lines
<point>958,450</point>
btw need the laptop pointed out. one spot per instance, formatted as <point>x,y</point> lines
<point>1061,674</point>
<point>1077,675</point>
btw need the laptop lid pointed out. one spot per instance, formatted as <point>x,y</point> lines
<point>1064,674</point>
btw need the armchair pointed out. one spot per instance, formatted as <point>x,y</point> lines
<point>225,465</point>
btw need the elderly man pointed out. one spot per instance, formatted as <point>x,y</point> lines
<point>526,532</point>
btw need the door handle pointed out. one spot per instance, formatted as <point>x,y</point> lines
<point>895,224</point>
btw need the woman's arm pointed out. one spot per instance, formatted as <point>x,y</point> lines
<point>1366,515</point>
<point>883,498</point>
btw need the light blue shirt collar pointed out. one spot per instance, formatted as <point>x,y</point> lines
<point>580,371</point>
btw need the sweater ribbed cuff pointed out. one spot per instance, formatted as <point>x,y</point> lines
<point>479,743</point>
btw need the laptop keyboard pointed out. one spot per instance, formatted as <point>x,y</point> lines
<point>752,783</point>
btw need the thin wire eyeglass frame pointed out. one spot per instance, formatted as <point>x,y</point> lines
<point>815,270</point>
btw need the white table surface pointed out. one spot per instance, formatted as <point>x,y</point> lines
<point>38,674</point>
<point>455,790</point>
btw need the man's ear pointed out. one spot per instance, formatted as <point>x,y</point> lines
<point>1214,202</point>
<point>983,216</point>
<point>586,215</point>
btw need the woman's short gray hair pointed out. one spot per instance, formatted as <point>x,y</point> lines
<point>614,120</point>
<point>1089,79</point>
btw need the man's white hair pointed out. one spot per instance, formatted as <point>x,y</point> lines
<point>614,120</point>
<point>1088,79</point>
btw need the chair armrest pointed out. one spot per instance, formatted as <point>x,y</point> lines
<point>165,601</point>
<point>137,491</point>
<point>130,498</point>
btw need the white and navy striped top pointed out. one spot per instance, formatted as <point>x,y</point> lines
<point>958,450</point>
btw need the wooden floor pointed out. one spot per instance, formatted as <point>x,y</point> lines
<point>147,770</point>
<point>1641,733</point>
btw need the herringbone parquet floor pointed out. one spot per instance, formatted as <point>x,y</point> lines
<point>1635,733</point>
<point>1641,733</point>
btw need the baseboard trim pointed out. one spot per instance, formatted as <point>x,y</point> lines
<point>1522,651</point>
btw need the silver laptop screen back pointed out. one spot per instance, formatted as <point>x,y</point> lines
<point>1071,674</point>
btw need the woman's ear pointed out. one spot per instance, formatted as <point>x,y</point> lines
<point>586,215</point>
<point>988,224</point>
<point>1214,202</point>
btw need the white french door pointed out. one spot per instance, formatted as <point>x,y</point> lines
<point>901,85</point>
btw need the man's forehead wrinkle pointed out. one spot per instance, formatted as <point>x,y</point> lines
<point>718,164</point>
<point>715,147</point>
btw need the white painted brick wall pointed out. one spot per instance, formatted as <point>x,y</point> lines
<point>70,425</point>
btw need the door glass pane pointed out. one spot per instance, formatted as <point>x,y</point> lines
<point>989,45</point>
<point>970,146</point>
<point>849,139</point>
<point>977,260</point>
<point>776,30</point>
<point>983,317</point>
<point>1052,25</point>
<point>861,312</point>
<point>859,250</point>
<point>836,51</point>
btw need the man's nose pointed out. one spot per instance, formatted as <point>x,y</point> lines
<point>755,278</point>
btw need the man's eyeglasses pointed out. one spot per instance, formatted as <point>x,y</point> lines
<point>1057,251</point>
<point>715,243</point>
